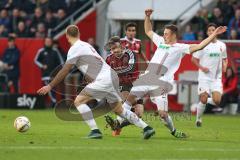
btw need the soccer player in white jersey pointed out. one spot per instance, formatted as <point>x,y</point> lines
<point>164,63</point>
<point>210,61</point>
<point>103,83</point>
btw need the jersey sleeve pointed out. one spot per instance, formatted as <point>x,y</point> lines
<point>197,54</point>
<point>71,57</point>
<point>224,52</point>
<point>157,40</point>
<point>185,49</point>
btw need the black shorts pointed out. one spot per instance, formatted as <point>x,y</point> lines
<point>125,87</point>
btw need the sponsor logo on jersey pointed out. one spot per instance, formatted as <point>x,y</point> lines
<point>162,46</point>
<point>214,55</point>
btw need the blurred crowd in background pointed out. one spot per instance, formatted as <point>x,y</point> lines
<point>33,18</point>
<point>225,13</point>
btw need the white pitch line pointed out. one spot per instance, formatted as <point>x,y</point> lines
<point>111,148</point>
<point>187,159</point>
<point>209,149</point>
<point>174,159</point>
<point>67,148</point>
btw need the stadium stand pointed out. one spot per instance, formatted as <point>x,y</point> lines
<point>34,18</point>
<point>224,13</point>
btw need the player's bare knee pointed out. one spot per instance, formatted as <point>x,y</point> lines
<point>131,99</point>
<point>204,98</point>
<point>76,102</point>
<point>163,114</point>
<point>117,108</point>
<point>216,98</point>
<point>124,95</point>
<point>118,111</point>
<point>217,101</point>
<point>139,110</point>
<point>80,100</point>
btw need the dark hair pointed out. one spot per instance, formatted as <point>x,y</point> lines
<point>211,25</point>
<point>173,28</point>
<point>112,41</point>
<point>48,38</point>
<point>11,39</point>
<point>130,24</point>
<point>72,30</point>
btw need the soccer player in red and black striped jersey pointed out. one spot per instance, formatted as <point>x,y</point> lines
<point>123,61</point>
<point>132,43</point>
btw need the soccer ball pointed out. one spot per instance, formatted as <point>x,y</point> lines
<point>22,124</point>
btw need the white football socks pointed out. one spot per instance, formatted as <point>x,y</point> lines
<point>133,118</point>
<point>169,123</point>
<point>127,106</point>
<point>87,116</point>
<point>210,101</point>
<point>200,111</point>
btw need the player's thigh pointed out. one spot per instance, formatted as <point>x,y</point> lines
<point>113,97</point>
<point>138,109</point>
<point>112,88</point>
<point>125,90</point>
<point>204,97</point>
<point>140,88</point>
<point>216,96</point>
<point>217,90</point>
<point>139,91</point>
<point>124,95</point>
<point>117,107</point>
<point>203,87</point>
<point>82,99</point>
<point>95,90</point>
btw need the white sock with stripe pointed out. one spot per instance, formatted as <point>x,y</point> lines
<point>87,116</point>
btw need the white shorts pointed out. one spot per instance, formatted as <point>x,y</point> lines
<point>104,88</point>
<point>157,93</point>
<point>210,86</point>
<point>161,102</point>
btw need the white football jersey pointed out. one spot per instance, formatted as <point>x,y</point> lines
<point>167,55</point>
<point>88,61</point>
<point>211,57</point>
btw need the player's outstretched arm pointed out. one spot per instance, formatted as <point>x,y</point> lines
<point>147,23</point>
<point>205,42</point>
<point>57,79</point>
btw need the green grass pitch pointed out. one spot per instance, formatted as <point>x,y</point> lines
<point>51,138</point>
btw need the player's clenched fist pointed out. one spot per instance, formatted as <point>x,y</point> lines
<point>148,12</point>
<point>220,30</point>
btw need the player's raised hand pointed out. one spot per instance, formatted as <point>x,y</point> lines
<point>220,30</point>
<point>148,12</point>
<point>44,90</point>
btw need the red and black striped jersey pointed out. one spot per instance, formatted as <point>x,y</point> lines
<point>135,46</point>
<point>124,66</point>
